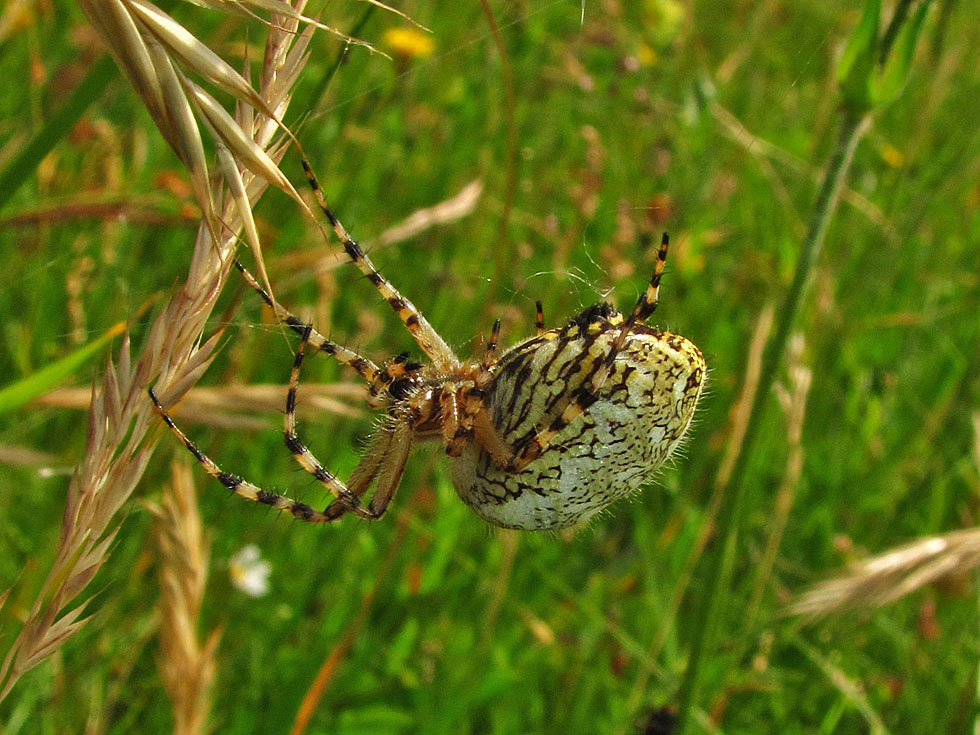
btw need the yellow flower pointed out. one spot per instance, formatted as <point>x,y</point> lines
<point>646,56</point>
<point>893,157</point>
<point>409,43</point>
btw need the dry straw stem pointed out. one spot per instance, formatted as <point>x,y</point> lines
<point>459,205</point>
<point>894,574</point>
<point>187,667</point>
<point>232,406</point>
<point>151,51</point>
<point>885,578</point>
<point>851,690</point>
<point>793,401</point>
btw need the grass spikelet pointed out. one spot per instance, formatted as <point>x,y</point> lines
<point>894,574</point>
<point>885,578</point>
<point>173,356</point>
<point>186,666</point>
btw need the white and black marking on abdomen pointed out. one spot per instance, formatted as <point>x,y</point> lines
<point>608,452</point>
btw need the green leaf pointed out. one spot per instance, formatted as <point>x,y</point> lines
<point>890,82</point>
<point>17,394</point>
<point>856,66</point>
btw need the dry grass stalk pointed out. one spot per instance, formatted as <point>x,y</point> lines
<point>742,407</point>
<point>851,690</point>
<point>885,578</point>
<point>186,666</point>
<point>459,205</point>
<point>173,355</point>
<point>894,574</point>
<point>232,406</point>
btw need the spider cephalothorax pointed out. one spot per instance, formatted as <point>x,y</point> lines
<point>542,436</point>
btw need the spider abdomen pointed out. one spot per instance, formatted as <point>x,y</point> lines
<point>637,418</point>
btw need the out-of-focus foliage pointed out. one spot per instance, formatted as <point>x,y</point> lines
<point>711,120</point>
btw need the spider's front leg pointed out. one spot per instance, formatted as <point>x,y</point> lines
<point>383,463</point>
<point>239,485</point>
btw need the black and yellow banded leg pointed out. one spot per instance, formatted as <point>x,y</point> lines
<point>238,485</point>
<point>364,367</point>
<point>645,306</point>
<point>303,456</point>
<point>422,332</point>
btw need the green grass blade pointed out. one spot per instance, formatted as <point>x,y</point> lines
<point>57,127</point>
<point>27,389</point>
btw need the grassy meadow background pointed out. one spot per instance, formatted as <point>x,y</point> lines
<point>606,123</point>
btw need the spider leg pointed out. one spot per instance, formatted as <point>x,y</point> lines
<point>304,456</point>
<point>365,473</point>
<point>364,367</point>
<point>422,332</point>
<point>391,468</point>
<point>539,319</point>
<point>238,485</point>
<point>645,306</point>
<point>459,407</point>
<point>588,393</point>
<point>489,357</point>
<point>385,461</point>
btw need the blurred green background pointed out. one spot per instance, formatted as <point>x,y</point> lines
<point>712,120</point>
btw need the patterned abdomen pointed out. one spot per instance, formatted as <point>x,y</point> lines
<point>603,455</point>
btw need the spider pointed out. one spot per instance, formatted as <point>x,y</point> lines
<point>543,435</point>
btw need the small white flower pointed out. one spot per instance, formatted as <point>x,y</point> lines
<point>249,572</point>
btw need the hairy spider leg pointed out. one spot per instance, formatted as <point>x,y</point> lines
<point>645,306</point>
<point>588,393</point>
<point>364,367</point>
<point>303,456</point>
<point>539,318</point>
<point>459,405</point>
<point>385,462</point>
<point>422,332</point>
<point>238,485</point>
<point>490,356</point>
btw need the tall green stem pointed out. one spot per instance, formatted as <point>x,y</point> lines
<point>708,614</point>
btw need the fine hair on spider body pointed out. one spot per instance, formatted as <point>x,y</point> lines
<point>542,435</point>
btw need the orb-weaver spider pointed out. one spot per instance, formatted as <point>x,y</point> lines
<point>541,436</point>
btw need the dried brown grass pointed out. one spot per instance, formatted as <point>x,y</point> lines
<point>894,574</point>
<point>155,53</point>
<point>887,577</point>
<point>235,406</point>
<point>186,666</point>
<point>792,398</point>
